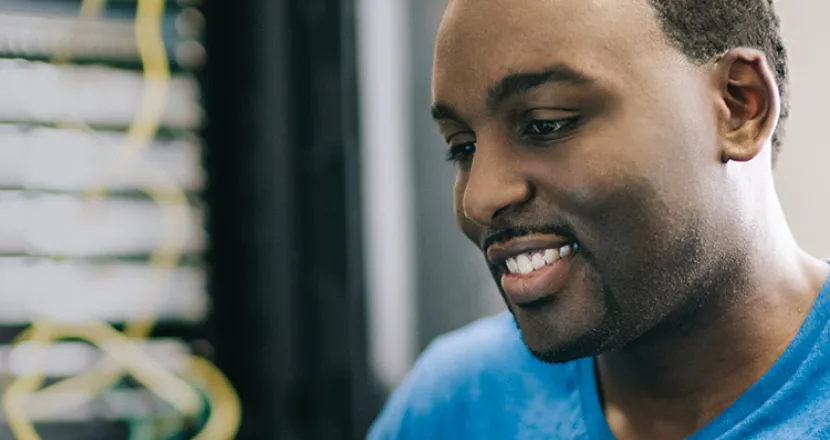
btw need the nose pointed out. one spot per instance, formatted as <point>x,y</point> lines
<point>495,185</point>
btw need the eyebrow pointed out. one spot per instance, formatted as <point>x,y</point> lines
<point>515,84</point>
<point>518,83</point>
<point>443,112</point>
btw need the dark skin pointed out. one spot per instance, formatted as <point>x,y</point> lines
<point>579,117</point>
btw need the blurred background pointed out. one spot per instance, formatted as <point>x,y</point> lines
<point>232,219</point>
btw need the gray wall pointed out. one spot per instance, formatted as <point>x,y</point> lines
<point>452,285</point>
<point>803,167</point>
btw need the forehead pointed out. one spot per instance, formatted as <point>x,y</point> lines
<point>482,41</point>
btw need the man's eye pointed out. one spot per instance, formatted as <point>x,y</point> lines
<point>462,154</point>
<point>546,128</point>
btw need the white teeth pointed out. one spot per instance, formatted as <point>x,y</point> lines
<point>551,255</point>
<point>538,261</point>
<point>525,266</point>
<point>512,265</point>
<point>529,261</point>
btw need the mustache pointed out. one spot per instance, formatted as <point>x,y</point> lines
<point>503,235</point>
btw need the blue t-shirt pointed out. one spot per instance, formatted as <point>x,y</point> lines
<point>482,383</point>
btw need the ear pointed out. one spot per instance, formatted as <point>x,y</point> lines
<point>748,103</point>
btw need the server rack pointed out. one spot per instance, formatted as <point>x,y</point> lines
<point>271,287</point>
<point>70,91</point>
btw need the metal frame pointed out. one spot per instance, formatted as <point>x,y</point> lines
<point>285,216</point>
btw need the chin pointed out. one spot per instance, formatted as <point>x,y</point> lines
<point>580,321</point>
<point>565,353</point>
<point>560,341</point>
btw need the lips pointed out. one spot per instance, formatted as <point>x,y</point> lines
<point>535,267</point>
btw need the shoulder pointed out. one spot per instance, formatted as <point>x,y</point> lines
<point>488,344</point>
<point>455,372</point>
<point>458,359</point>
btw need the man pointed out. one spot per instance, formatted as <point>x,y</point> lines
<point>615,167</point>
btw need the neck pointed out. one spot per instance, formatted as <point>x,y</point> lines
<point>681,375</point>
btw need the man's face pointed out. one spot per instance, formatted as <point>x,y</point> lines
<point>588,166</point>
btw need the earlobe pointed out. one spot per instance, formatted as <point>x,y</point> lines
<point>748,103</point>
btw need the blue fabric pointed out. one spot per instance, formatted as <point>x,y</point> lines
<point>481,382</point>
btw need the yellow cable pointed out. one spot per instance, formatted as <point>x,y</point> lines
<point>141,132</point>
<point>20,426</point>
<point>129,358</point>
<point>226,410</point>
<point>90,10</point>
<point>151,49</point>
<point>225,416</point>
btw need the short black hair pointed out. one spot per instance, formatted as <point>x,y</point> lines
<point>703,29</point>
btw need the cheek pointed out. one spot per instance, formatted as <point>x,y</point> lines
<point>616,198</point>
<point>632,171</point>
<point>601,191</point>
<point>625,196</point>
<point>617,214</point>
<point>640,238</point>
